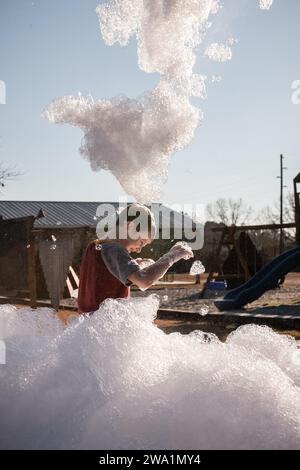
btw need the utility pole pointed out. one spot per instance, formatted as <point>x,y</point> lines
<point>297,206</point>
<point>281,205</point>
<point>281,202</point>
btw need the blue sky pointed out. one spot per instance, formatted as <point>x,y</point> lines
<point>52,48</point>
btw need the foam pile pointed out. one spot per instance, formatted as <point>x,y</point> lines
<point>116,381</point>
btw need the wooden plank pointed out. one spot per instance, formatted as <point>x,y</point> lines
<point>255,227</point>
<point>39,303</point>
<point>75,277</point>
<point>70,288</point>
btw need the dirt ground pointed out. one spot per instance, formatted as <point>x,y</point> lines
<point>185,298</point>
<point>285,300</point>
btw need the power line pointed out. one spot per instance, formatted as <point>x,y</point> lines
<point>238,184</point>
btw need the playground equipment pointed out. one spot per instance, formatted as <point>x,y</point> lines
<point>240,256</point>
<point>267,278</point>
<point>231,236</point>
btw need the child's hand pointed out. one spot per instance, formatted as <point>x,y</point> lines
<point>179,251</point>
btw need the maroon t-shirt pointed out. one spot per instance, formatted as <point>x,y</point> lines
<point>104,274</point>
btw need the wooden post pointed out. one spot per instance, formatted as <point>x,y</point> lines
<point>214,261</point>
<point>242,260</point>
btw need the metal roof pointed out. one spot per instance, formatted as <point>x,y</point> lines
<point>67,213</point>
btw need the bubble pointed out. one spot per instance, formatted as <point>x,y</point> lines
<point>265,4</point>
<point>165,298</point>
<point>28,246</point>
<point>216,79</point>
<point>219,52</point>
<point>232,41</point>
<point>204,309</point>
<point>197,268</point>
<point>53,246</point>
<point>53,238</point>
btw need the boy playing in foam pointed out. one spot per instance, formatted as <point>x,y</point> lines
<point>108,270</point>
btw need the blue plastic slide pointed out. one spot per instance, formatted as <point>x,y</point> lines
<point>266,278</point>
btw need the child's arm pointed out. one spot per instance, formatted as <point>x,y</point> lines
<point>144,262</point>
<point>144,278</point>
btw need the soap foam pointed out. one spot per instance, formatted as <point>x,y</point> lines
<point>265,4</point>
<point>116,381</point>
<point>135,139</point>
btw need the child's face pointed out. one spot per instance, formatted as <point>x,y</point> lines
<point>135,246</point>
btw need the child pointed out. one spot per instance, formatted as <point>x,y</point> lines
<point>108,270</point>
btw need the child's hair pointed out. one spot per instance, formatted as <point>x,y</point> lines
<point>134,211</point>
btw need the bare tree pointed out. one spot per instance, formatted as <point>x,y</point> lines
<point>7,173</point>
<point>268,240</point>
<point>288,208</point>
<point>271,214</point>
<point>229,211</point>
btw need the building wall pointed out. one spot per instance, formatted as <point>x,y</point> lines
<point>80,236</point>
<point>15,238</point>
